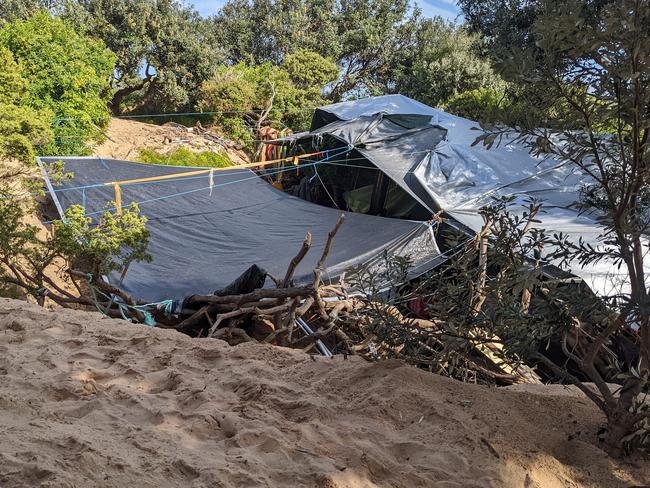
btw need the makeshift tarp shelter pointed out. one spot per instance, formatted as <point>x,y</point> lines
<point>206,230</point>
<point>395,143</point>
<point>429,154</point>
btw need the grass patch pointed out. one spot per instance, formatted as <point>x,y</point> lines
<point>185,157</point>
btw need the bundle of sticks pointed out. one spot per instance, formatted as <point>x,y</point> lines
<point>273,315</point>
<point>341,321</point>
<point>331,318</point>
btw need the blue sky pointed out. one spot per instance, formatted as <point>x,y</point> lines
<point>444,8</point>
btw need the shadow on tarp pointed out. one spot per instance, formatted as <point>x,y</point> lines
<point>203,238</point>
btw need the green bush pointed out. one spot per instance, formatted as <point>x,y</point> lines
<point>241,94</point>
<point>53,70</point>
<point>482,104</point>
<point>185,157</point>
<point>21,127</point>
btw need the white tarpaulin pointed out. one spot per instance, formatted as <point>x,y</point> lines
<point>462,178</point>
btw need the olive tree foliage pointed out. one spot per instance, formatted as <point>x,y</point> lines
<point>362,36</point>
<point>64,80</point>
<point>246,97</point>
<point>443,62</point>
<point>164,50</point>
<point>595,73</point>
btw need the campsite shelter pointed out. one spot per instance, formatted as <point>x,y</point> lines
<point>389,163</point>
<point>207,229</point>
<point>433,165</point>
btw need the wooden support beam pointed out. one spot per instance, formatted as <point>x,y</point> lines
<point>118,199</point>
<point>206,171</point>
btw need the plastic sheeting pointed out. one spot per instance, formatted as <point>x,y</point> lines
<point>461,178</point>
<point>396,144</point>
<point>203,238</point>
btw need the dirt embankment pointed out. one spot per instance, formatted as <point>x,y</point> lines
<point>125,138</point>
<point>91,401</point>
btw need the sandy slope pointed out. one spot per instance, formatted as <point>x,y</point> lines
<point>124,138</point>
<point>90,401</point>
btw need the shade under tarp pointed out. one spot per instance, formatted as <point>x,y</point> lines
<point>396,144</point>
<point>201,239</point>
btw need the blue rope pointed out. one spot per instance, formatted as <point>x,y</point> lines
<point>103,185</point>
<point>165,306</point>
<point>270,172</point>
<point>173,195</point>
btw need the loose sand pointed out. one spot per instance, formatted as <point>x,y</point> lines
<point>125,138</point>
<point>87,401</point>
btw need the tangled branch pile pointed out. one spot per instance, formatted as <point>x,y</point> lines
<point>339,318</point>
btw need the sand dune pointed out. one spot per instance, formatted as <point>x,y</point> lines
<point>125,138</point>
<point>91,401</point>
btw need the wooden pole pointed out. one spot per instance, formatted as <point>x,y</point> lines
<point>118,199</point>
<point>206,171</point>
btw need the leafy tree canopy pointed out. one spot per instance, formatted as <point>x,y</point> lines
<point>21,127</point>
<point>481,104</point>
<point>510,24</point>
<point>267,30</point>
<point>360,35</point>
<point>444,61</point>
<point>64,75</point>
<point>373,32</point>
<point>11,10</point>
<point>249,96</point>
<point>164,50</point>
<point>12,84</point>
<point>504,23</point>
<point>23,131</point>
<point>593,72</point>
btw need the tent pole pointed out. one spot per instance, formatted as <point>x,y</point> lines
<point>379,192</point>
<point>118,199</point>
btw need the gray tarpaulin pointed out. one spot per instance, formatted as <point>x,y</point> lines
<point>461,178</point>
<point>202,238</point>
<point>396,144</point>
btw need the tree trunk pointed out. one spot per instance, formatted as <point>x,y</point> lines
<point>620,423</point>
<point>120,94</point>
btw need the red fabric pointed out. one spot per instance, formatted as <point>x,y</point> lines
<point>418,306</point>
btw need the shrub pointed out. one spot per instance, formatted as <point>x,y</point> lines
<point>65,74</point>
<point>185,157</point>
<point>481,104</point>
